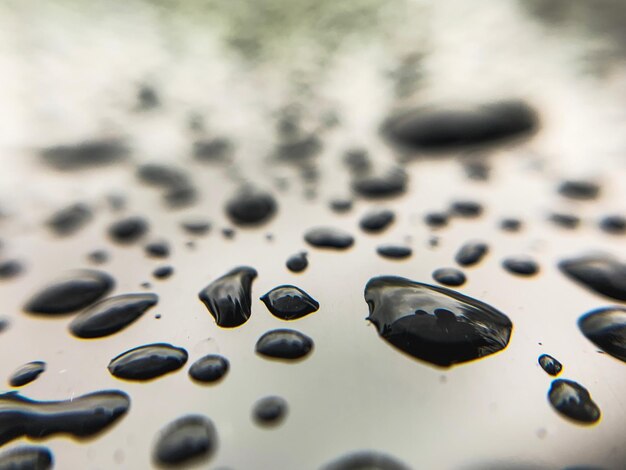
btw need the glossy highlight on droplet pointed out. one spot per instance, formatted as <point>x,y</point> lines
<point>449,277</point>
<point>520,265</point>
<point>289,302</point>
<point>471,253</point>
<point>600,273</point>
<point>327,237</point>
<point>376,220</point>
<point>27,457</point>
<point>185,440</point>
<point>298,262</point>
<point>550,365</point>
<point>397,252</point>
<point>284,344</point>
<point>27,373</point>
<point>148,362</point>
<point>606,328</point>
<point>209,368</point>
<point>251,206</point>
<point>270,411</point>
<point>573,401</point>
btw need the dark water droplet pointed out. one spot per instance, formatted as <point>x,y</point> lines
<point>251,206</point>
<point>98,256</point>
<point>158,249</point>
<point>569,221</point>
<point>299,148</point>
<point>229,298</point>
<point>111,315</point>
<point>436,219</point>
<point>613,224</point>
<point>80,416</point>
<point>70,219</point>
<point>442,129</point>
<point>209,368</point>
<point>550,364</point>
<point>25,457</point>
<point>606,328</point>
<point>128,230</point>
<point>146,285</point>
<point>289,302</point>
<point>228,233</point>
<point>366,460</point>
<point>4,324</point>
<point>73,292</point>
<point>579,190</point>
<point>298,262</point>
<point>477,170</point>
<point>284,344</point>
<point>471,253</point>
<point>511,225</point>
<point>466,208</point>
<point>148,362</point>
<point>600,273</point>
<point>437,325</point>
<point>196,226</point>
<point>163,272</point>
<point>180,196</point>
<point>213,151</point>
<point>357,160</point>
<point>10,269</point>
<point>381,185</point>
<point>394,251</point>
<point>85,154</point>
<point>376,220</point>
<point>573,401</point>
<point>27,373</point>
<point>328,237</point>
<point>341,206</point>
<point>449,277</point>
<point>270,411</point>
<point>164,176</point>
<point>519,265</point>
<point>147,98</point>
<point>191,437</point>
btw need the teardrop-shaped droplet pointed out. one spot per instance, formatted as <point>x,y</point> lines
<point>520,265</point>
<point>191,437</point>
<point>111,315</point>
<point>26,457</point>
<point>600,273</point>
<point>573,401</point>
<point>284,344</point>
<point>251,206</point>
<point>394,251</point>
<point>209,368</point>
<point>148,362</point>
<point>449,277</point>
<point>376,220</point>
<point>471,253</point>
<point>606,328</point>
<point>435,324</point>
<point>289,302</point>
<point>229,298</point>
<point>80,416</point>
<point>327,237</point>
<point>550,364</point>
<point>26,373</point>
<point>298,262</point>
<point>366,460</point>
<point>70,293</point>
<point>270,411</point>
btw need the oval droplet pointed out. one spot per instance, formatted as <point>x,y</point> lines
<point>600,273</point>
<point>613,224</point>
<point>191,437</point>
<point>270,411</point>
<point>70,293</point>
<point>284,344</point>
<point>579,189</point>
<point>366,460</point>
<point>466,208</point>
<point>163,272</point>
<point>550,364</point>
<point>69,219</point>
<point>298,262</point>
<point>229,298</point>
<point>158,249</point>
<point>376,220</point>
<point>148,362</point>
<point>573,401</point>
<point>471,253</point>
<point>289,302</point>
<point>209,368</point>
<point>251,206</point>
<point>10,269</point>
<point>522,266</point>
<point>111,315</point>
<point>606,328</point>
<point>434,324</point>
<point>26,457</point>
<point>27,373</point>
<point>394,251</point>
<point>449,277</point>
<point>378,185</point>
<point>80,416</point>
<point>327,237</point>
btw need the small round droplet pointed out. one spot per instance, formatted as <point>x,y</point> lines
<point>251,206</point>
<point>191,437</point>
<point>550,364</point>
<point>521,266</point>
<point>394,251</point>
<point>573,401</point>
<point>163,272</point>
<point>26,457</point>
<point>613,224</point>
<point>298,262</point>
<point>270,411</point>
<point>128,230</point>
<point>27,373</point>
<point>436,219</point>
<point>606,328</point>
<point>449,277</point>
<point>158,249</point>
<point>209,368</point>
<point>466,208</point>
<point>567,221</point>
<point>284,344</point>
<point>511,225</point>
<point>376,220</point>
<point>326,237</point>
<point>289,302</point>
<point>148,362</point>
<point>471,253</point>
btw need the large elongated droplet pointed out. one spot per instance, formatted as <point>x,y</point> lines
<point>111,315</point>
<point>289,302</point>
<point>187,438</point>
<point>606,328</point>
<point>573,401</point>
<point>73,292</point>
<point>229,298</point>
<point>600,273</point>
<point>148,362</point>
<point>437,325</point>
<point>80,416</point>
<point>27,458</point>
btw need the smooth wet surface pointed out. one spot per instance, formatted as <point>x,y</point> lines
<point>573,401</point>
<point>289,302</point>
<point>184,440</point>
<point>606,328</point>
<point>148,362</point>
